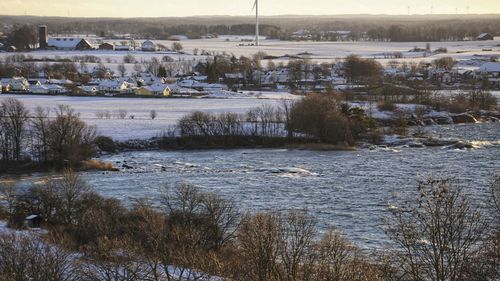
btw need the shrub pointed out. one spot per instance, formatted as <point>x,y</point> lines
<point>323,118</point>
<point>105,144</point>
<point>153,114</point>
<point>386,106</point>
<point>400,124</point>
<point>358,68</point>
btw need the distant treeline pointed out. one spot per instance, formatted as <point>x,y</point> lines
<point>197,31</point>
<point>388,28</point>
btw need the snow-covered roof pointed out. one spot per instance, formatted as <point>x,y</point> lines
<point>122,47</point>
<point>59,81</point>
<point>64,42</point>
<point>111,83</point>
<point>234,75</point>
<point>158,87</point>
<point>148,44</point>
<point>490,67</point>
<point>89,88</point>
<point>180,90</point>
<point>178,37</point>
<point>482,35</point>
<point>38,87</point>
<point>31,217</point>
<point>54,87</point>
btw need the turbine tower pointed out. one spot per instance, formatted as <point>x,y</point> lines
<point>256,7</point>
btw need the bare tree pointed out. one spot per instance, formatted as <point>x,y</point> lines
<point>177,47</point>
<point>114,260</point>
<point>339,259</point>
<point>153,114</point>
<point>71,189</point>
<point>296,246</point>
<point>259,242</point>
<point>8,196</point>
<point>439,235</point>
<point>121,114</point>
<point>122,69</point>
<point>70,138</point>
<point>13,125</point>
<point>28,257</point>
<point>40,133</point>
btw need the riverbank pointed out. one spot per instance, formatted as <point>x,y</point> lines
<point>417,138</point>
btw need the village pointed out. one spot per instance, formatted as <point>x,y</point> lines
<point>178,73</point>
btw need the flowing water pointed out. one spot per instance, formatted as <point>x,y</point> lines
<point>353,191</point>
<point>349,190</point>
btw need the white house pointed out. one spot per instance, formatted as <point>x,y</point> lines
<point>159,90</point>
<point>39,89</point>
<point>89,89</point>
<point>113,87</point>
<point>20,84</point>
<point>491,71</point>
<point>60,82</point>
<point>148,46</point>
<point>193,84</point>
<point>47,89</point>
<point>176,90</point>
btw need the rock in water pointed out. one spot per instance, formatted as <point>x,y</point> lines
<point>463,118</point>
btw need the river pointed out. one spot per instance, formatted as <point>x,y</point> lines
<point>349,190</point>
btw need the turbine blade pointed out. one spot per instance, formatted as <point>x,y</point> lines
<point>254,5</point>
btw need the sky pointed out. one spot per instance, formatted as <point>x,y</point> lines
<point>182,8</point>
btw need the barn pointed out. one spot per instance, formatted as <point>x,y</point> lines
<point>69,44</point>
<point>485,37</point>
<point>107,47</point>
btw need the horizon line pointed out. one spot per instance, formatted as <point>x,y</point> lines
<point>249,15</point>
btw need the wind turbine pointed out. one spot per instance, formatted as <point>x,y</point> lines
<point>256,8</point>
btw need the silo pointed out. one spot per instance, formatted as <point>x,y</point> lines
<point>43,36</point>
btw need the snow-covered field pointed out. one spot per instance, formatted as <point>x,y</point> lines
<point>142,127</point>
<point>332,49</point>
<point>319,51</point>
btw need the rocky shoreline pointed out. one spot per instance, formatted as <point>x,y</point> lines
<point>435,118</point>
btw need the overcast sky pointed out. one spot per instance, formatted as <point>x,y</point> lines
<point>173,8</point>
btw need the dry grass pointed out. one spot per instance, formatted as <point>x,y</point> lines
<point>97,165</point>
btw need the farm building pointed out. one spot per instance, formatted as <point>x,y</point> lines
<point>107,47</point>
<point>122,48</point>
<point>485,37</point>
<point>148,46</point>
<point>33,221</point>
<point>69,44</point>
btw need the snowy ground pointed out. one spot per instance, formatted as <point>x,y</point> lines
<point>332,49</point>
<point>468,51</point>
<point>142,127</point>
